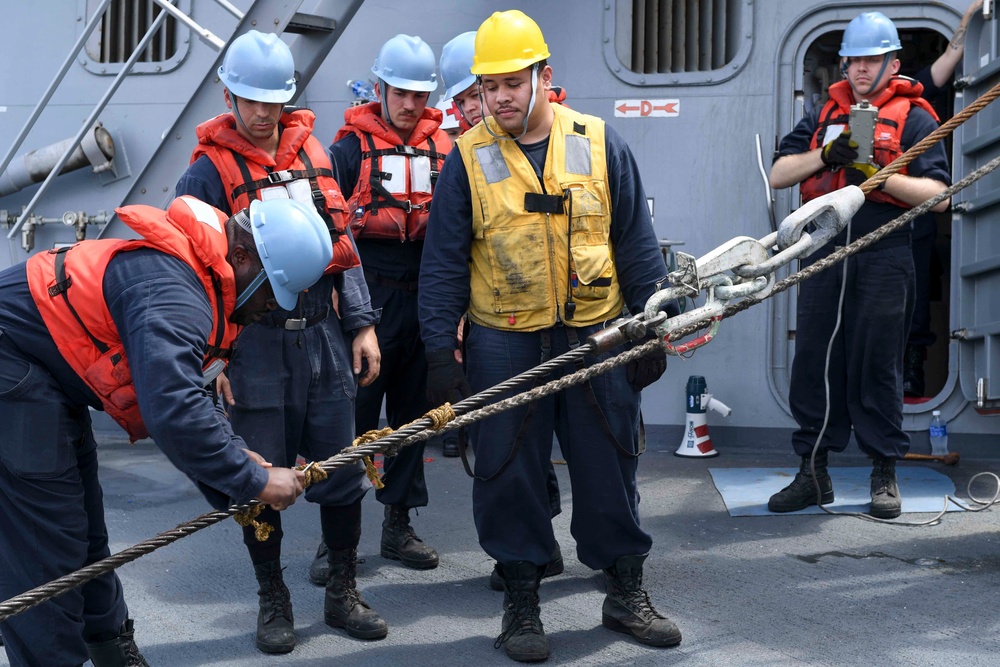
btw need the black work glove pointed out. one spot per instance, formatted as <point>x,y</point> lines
<point>445,378</point>
<point>858,173</point>
<point>841,151</point>
<point>854,176</point>
<point>647,369</point>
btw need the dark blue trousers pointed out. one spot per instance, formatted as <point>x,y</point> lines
<point>866,364</point>
<point>294,393</point>
<point>597,424</point>
<point>924,235</point>
<point>402,384</point>
<point>52,518</point>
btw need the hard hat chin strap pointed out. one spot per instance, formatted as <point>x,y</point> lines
<point>881,71</point>
<point>242,218</point>
<point>384,103</point>
<point>461,111</point>
<point>236,113</point>
<point>254,285</point>
<point>531,106</point>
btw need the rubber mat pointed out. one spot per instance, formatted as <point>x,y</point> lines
<point>745,490</point>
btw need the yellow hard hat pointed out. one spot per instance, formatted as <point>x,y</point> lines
<point>508,42</point>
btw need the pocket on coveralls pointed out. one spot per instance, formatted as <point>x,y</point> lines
<point>39,432</point>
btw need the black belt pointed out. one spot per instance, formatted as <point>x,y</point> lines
<point>374,278</point>
<point>294,323</point>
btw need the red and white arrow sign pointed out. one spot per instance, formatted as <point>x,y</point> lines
<point>647,108</point>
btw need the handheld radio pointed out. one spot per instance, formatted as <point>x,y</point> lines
<point>862,124</point>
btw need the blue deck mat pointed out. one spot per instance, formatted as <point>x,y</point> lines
<point>746,490</point>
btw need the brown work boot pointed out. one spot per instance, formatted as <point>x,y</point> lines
<point>343,606</point>
<point>522,635</point>
<point>627,607</point>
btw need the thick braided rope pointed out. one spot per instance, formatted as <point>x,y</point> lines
<point>846,251</point>
<point>924,144</point>
<point>36,596</point>
<point>442,418</point>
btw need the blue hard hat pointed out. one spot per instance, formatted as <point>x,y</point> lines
<point>259,66</point>
<point>294,246</point>
<point>456,64</point>
<point>408,63</point>
<point>870,34</point>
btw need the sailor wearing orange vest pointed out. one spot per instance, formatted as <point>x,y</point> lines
<point>386,158</point>
<point>291,388</point>
<point>136,328</point>
<point>866,357</point>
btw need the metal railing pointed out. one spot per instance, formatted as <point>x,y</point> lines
<point>140,47</point>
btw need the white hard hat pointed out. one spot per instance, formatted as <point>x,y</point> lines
<point>447,107</point>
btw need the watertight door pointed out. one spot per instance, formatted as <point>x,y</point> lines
<point>975,271</point>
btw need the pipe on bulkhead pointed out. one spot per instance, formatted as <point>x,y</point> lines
<point>97,150</point>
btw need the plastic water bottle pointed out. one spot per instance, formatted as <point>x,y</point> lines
<point>939,434</point>
<point>363,90</point>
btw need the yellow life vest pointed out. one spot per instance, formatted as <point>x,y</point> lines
<point>528,270</point>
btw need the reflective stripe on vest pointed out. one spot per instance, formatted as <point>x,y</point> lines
<point>392,197</point>
<point>301,170</point>
<point>67,287</point>
<point>525,267</point>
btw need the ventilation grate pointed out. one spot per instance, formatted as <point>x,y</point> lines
<point>125,23</point>
<point>670,36</point>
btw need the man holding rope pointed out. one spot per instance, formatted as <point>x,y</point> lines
<point>138,329</point>
<point>868,311</point>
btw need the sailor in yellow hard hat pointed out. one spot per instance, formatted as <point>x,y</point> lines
<point>540,230</point>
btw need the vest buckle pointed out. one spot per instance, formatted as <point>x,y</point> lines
<point>279,177</point>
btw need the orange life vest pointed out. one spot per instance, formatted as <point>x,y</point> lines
<point>894,105</point>
<point>392,198</point>
<point>67,285</point>
<point>246,170</point>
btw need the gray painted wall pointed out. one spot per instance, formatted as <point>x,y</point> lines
<point>700,168</point>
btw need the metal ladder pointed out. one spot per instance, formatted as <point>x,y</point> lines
<point>316,28</point>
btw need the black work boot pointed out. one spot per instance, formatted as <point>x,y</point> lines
<point>801,493</point>
<point>913,370</point>
<point>627,607</point>
<point>886,503</point>
<point>319,571</point>
<point>449,444</point>
<point>120,651</point>
<point>343,606</point>
<point>554,567</point>
<point>399,542</point>
<point>275,625</point>
<point>522,635</point>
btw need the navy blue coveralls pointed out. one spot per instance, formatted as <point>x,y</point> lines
<point>52,521</point>
<point>866,366</point>
<point>391,269</point>
<point>597,427</point>
<point>295,389</point>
